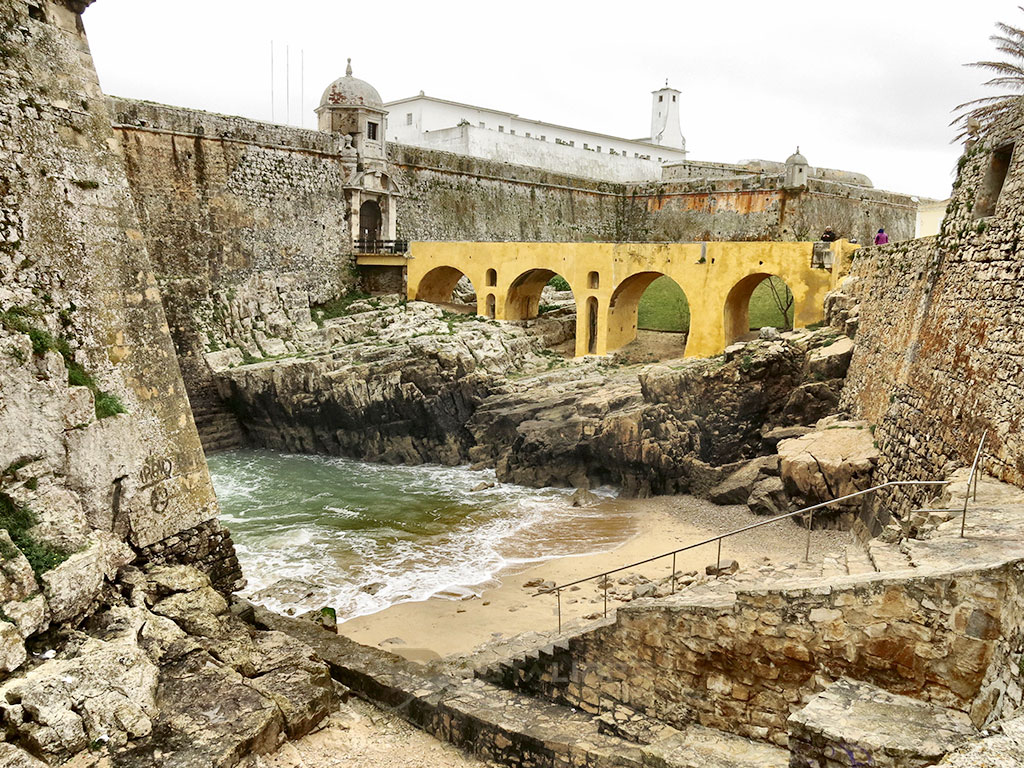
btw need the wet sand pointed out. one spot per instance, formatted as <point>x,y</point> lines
<point>436,628</point>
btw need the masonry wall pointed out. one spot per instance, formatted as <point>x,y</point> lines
<point>743,666</point>
<point>81,320</point>
<point>456,197</point>
<point>939,352</point>
<point>756,207</point>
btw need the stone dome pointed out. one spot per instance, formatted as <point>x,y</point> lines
<point>796,158</point>
<point>350,91</point>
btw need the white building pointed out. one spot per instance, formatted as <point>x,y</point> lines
<point>433,123</point>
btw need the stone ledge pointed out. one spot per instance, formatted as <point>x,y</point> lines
<point>854,723</point>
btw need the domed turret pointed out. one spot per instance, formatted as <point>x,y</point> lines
<point>353,106</point>
<point>797,171</point>
<point>350,91</point>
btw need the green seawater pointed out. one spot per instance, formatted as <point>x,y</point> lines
<point>321,530</point>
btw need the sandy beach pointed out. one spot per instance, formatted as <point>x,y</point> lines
<point>438,628</point>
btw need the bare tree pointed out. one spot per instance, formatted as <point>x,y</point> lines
<point>975,116</point>
<point>783,301</point>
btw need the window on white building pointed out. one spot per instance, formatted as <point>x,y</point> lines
<point>483,125</point>
<point>673,97</point>
<point>408,118</point>
<point>371,131</point>
<point>543,138</point>
<point>512,131</point>
<point>501,129</point>
<point>598,147</point>
<point>585,146</point>
<point>661,98</point>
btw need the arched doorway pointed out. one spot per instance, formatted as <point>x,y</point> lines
<point>757,301</point>
<point>370,222</point>
<point>652,309</point>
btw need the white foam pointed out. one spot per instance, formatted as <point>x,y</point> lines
<point>364,571</point>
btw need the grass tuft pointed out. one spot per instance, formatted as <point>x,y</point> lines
<point>18,519</point>
<point>18,319</point>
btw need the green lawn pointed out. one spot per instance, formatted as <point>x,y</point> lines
<point>663,307</point>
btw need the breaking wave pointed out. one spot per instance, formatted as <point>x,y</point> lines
<point>312,531</point>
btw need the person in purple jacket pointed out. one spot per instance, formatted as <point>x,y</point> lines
<point>881,238</point>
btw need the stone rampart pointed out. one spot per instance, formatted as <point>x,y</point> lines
<point>99,454</point>
<point>456,197</point>
<point>940,342</point>
<point>757,207</point>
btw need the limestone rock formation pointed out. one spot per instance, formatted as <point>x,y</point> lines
<point>835,460</point>
<point>409,382</point>
<point>399,384</point>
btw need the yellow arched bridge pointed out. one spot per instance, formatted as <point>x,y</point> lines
<point>608,279</point>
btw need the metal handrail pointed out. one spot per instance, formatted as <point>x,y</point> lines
<point>809,511</point>
<point>972,478</point>
<point>374,245</point>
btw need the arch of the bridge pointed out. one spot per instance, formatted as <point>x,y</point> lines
<point>607,281</point>
<point>436,286</point>
<point>522,299</point>
<point>737,305</point>
<point>624,306</point>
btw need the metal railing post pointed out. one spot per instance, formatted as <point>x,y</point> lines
<point>673,573</point>
<point>718,562</point>
<point>605,582</point>
<point>810,524</point>
<point>972,479</point>
<point>558,596</point>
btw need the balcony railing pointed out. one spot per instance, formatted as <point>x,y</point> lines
<point>381,246</point>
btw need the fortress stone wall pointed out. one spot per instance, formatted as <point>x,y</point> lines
<point>939,352</point>
<point>246,222</point>
<point>249,224</point>
<point>757,207</point>
<point>96,439</point>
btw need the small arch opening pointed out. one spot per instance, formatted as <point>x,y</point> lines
<point>593,281</point>
<point>649,318</point>
<point>758,301</point>
<point>490,305</point>
<point>492,278</point>
<point>592,325</point>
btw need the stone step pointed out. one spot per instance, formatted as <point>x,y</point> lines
<point>857,560</point>
<point>887,557</point>
<point>854,723</point>
<point>505,726</point>
<point>833,565</point>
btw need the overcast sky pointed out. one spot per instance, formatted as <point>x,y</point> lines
<point>865,86</point>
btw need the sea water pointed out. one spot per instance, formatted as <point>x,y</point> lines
<point>365,536</point>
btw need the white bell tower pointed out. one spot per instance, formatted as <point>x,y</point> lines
<point>665,128</point>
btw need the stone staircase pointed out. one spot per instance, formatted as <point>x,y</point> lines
<point>219,430</point>
<point>512,728</point>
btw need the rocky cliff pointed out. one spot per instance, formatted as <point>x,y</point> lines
<point>410,382</point>
<point>106,640</point>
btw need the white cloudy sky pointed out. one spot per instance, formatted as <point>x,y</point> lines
<point>865,85</point>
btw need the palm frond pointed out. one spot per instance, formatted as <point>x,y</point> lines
<point>981,113</point>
